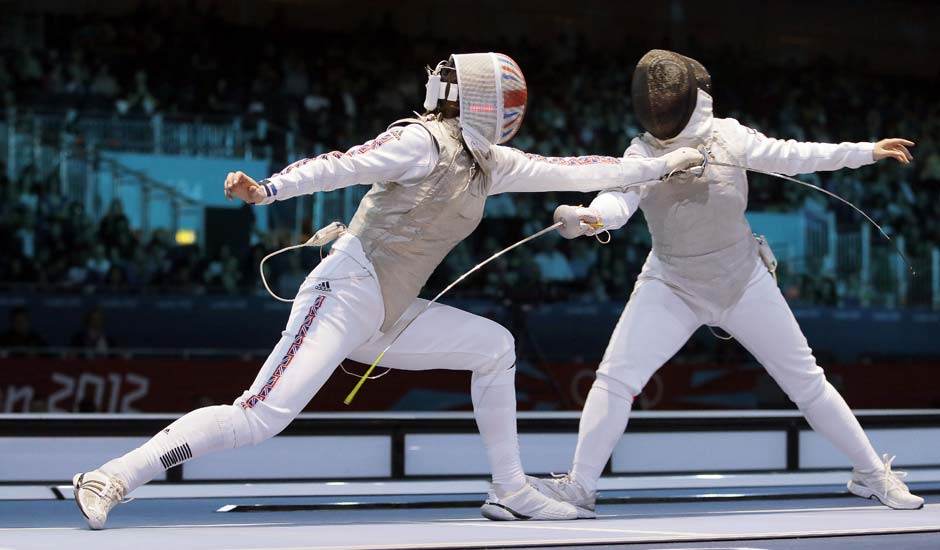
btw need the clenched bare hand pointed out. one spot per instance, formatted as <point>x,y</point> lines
<point>895,148</point>
<point>238,184</point>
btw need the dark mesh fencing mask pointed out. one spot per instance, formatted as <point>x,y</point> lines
<point>664,92</point>
<point>702,77</point>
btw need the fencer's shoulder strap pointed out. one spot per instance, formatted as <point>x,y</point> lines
<point>406,121</point>
<point>440,129</point>
<point>422,122</point>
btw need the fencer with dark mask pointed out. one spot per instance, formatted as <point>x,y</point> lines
<point>705,268</point>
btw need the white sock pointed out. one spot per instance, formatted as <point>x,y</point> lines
<point>494,406</point>
<point>198,433</point>
<point>603,422</point>
<point>829,415</point>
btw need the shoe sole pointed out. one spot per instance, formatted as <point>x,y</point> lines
<point>585,513</point>
<point>76,482</point>
<point>498,512</point>
<point>865,492</point>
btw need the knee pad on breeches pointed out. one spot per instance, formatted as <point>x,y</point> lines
<point>497,376</point>
<point>613,386</point>
<point>258,422</point>
<point>626,374</point>
<point>202,431</point>
<point>808,395</point>
<point>804,387</point>
<point>624,378</point>
<point>497,367</point>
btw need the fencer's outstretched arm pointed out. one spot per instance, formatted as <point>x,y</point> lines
<point>791,157</point>
<point>402,154</point>
<point>519,172</point>
<point>608,211</point>
<point>613,208</point>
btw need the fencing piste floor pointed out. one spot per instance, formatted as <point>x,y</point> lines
<point>743,520</point>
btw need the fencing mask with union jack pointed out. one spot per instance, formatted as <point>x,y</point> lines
<point>491,92</point>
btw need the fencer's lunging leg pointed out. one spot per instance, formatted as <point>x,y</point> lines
<point>763,323</point>
<point>447,338</point>
<point>320,332</point>
<point>652,328</point>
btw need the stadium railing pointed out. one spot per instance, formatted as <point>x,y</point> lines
<point>864,269</point>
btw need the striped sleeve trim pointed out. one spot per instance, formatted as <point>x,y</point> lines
<point>269,189</point>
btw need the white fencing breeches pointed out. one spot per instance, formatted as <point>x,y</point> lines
<point>657,322</point>
<point>326,325</point>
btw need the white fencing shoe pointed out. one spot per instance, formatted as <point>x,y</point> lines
<point>526,503</point>
<point>565,488</point>
<point>886,486</point>
<point>96,494</point>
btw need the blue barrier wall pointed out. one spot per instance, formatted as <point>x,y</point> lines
<point>558,332</point>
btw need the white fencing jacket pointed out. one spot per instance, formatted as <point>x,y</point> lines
<point>702,244</point>
<point>428,194</point>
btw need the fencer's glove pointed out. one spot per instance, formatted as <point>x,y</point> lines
<point>685,159</point>
<point>577,221</point>
<point>238,184</point>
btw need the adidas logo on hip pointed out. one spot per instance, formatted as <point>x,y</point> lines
<point>322,287</point>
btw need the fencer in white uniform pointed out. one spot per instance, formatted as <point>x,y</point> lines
<point>430,177</point>
<point>705,269</point>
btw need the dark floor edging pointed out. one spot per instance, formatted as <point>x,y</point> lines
<point>472,501</point>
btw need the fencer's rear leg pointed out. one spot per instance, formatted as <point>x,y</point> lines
<point>320,332</point>
<point>764,324</point>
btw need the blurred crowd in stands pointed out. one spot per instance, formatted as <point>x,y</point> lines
<point>334,90</point>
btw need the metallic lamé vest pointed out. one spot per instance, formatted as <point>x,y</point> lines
<point>702,243</point>
<point>406,230</point>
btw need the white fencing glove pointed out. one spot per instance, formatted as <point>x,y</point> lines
<point>577,221</point>
<point>685,159</point>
